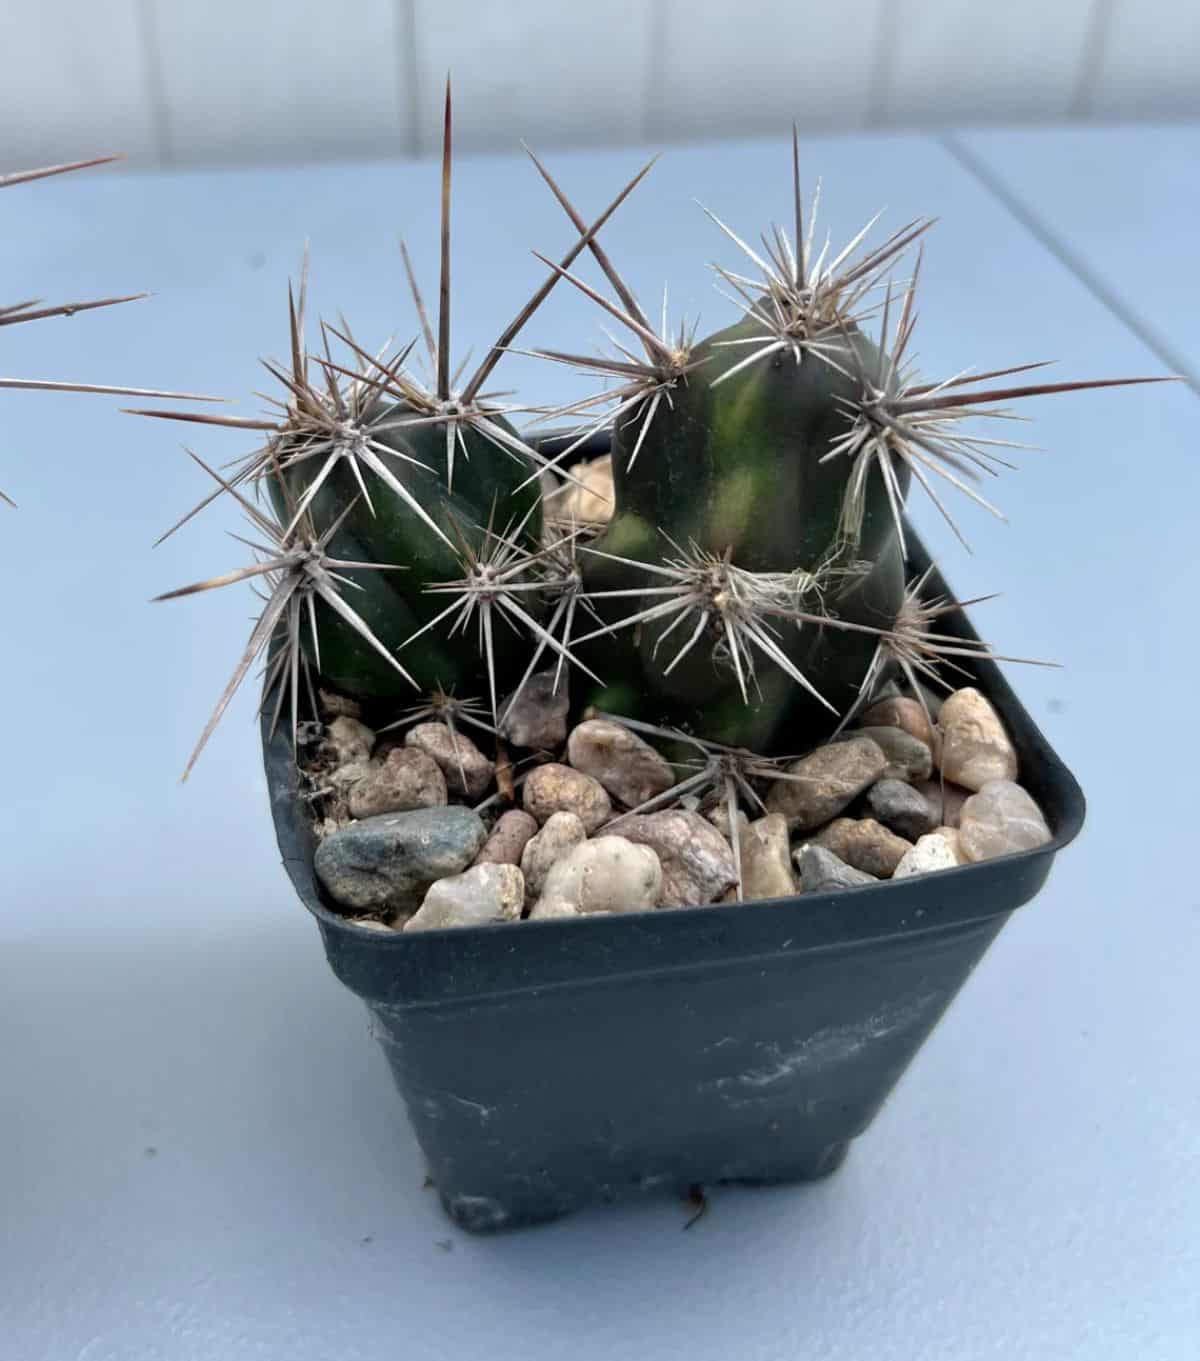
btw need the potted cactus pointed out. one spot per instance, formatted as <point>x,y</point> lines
<point>591,743</point>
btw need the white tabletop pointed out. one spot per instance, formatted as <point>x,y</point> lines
<point>202,1155</point>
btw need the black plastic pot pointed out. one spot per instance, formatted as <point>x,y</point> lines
<point>550,1065</point>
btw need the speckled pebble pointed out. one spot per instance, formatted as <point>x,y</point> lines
<point>697,861</point>
<point>467,770</point>
<point>555,788</point>
<point>537,719</point>
<point>403,780</point>
<point>508,839</point>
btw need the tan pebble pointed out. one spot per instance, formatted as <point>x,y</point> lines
<point>826,781</point>
<point>334,705</point>
<point>975,745</point>
<point>767,859</point>
<point>628,768</point>
<point>908,758</point>
<point>480,896</point>
<point>606,874</point>
<point>589,499</point>
<point>1001,819</point>
<point>900,712</point>
<point>349,740</point>
<point>865,845</point>
<point>561,834</point>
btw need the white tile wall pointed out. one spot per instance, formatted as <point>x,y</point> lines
<point>966,61</point>
<point>746,68</point>
<point>73,82</point>
<point>546,70</point>
<point>186,81</point>
<point>280,79</point>
<point>1150,66</point>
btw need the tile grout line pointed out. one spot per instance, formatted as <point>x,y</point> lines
<point>656,42</point>
<point>408,74</point>
<point>156,94</point>
<point>1093,50</point>
<point>883,66</point>
<point>1160,347</point>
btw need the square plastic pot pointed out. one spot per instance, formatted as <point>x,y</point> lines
<point>546,1066</point>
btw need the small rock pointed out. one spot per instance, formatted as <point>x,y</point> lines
<point>821,870</point>
<point>900,712</point>
<point>550,482</point>
<point>932,852</point>
<point>628,768</point>
<point>349,740</point>
<point>508,840</point>
<point>697,861</point>
<point>865,845</point>
<point>479,896</point>
<point>555,788</point>
<point>372,924</point>
<point>766,859</point>
<point>561,834</point>
<point>908,758</point>
<point>606,874</point>
<point>386,863</point>
<point>334,705</point>
<point>719,817</point>
<point>549,909</point>
<point>346,777</point>
<point>829,779</point>
<point>945,799</point>
<point>950,836</point>
<point>404,780</point>
<point>901,808</point>
<point>975,746</point>
<point>538,717</point>
<point>1000,819</point>
<point>589,499</point>
<point>467,770</point>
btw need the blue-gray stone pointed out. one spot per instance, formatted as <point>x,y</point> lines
<point>387,863</point>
